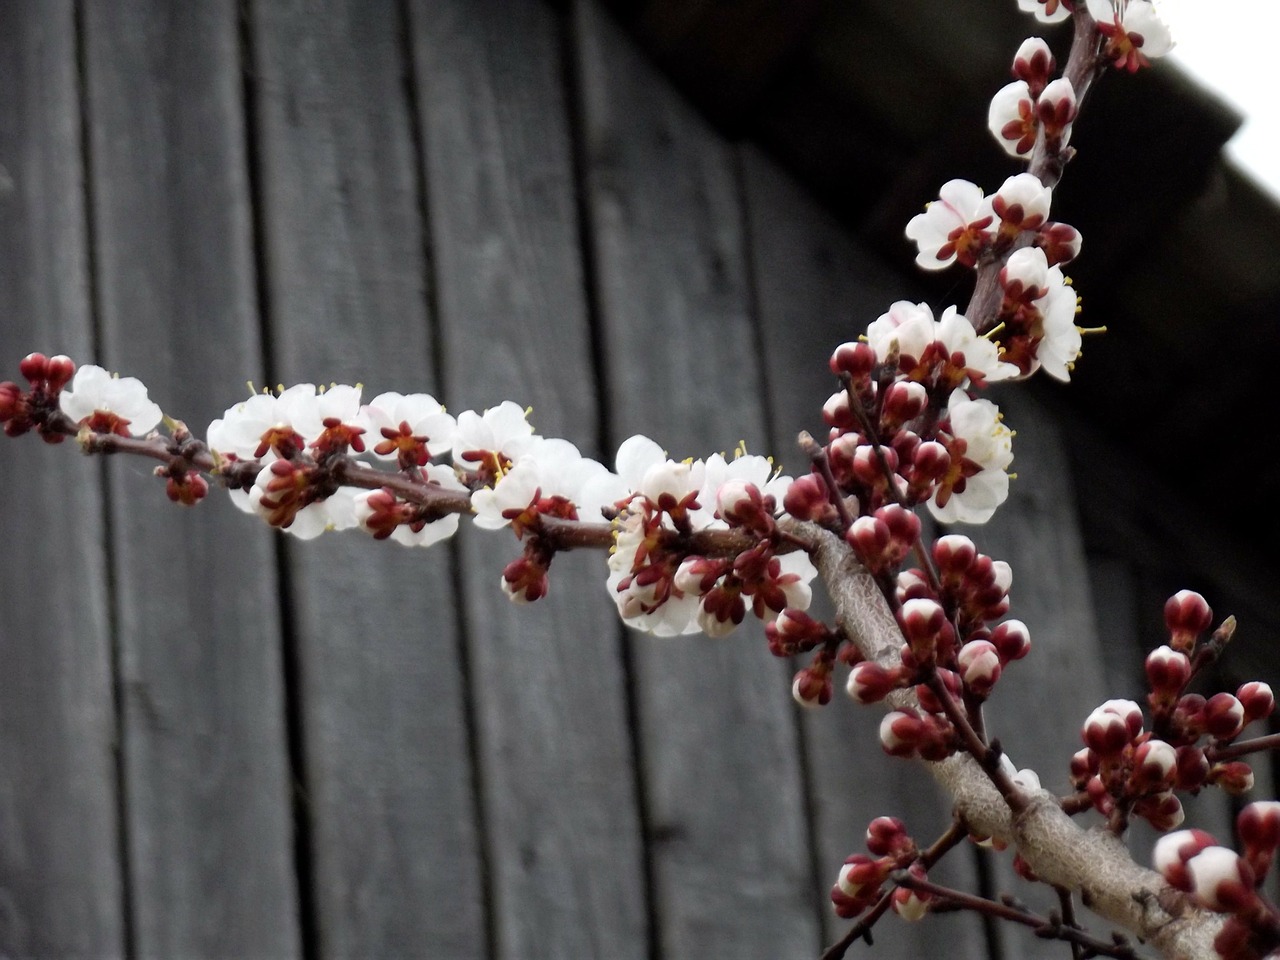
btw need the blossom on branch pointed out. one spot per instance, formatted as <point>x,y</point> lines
<point>953,228</point>
<point>103,403</point>
<point>1134,31</point>
<point>1047,11</point>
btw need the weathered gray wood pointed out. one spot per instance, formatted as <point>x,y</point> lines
<point>816,289</point>
<point>204,740</point>
<point>389,785</point>
<point>555,750</point>
<point>60,882</point>
<point>718,735</point>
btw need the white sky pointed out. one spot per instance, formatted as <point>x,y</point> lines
<point>1229,46</point>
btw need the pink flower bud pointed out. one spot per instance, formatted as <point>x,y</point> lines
<point>1257,699</point>
<point>1259,829</point>
<point>854,359</point>
<point>58,372</point>
<point>870,683</point>
<point>1084,764</point>
<point>1223,716</point>
<point>1221,880</point>
<point>1235,777</point>
<point>34,367</point>
<point>1025,276</point>
<point>901,732</point>
<point>1002,575</point>
<point>1012,640</point>
<point>1162,810</point>
<point>1168,671</point>
<point>930,461</point>
<point>1193,768</point>
<point>867,466</point>
<point>1056,108</point>
<point>1111,726</point>
<point>837,413</point>
<point>1172,853</point>
<point>888,835</point>
<point>979,666</point>
<point>908,904</point>
<point>911,584</point>
<point>903,401</point>
<point>954,554</point>
<point>1187,615</point>
<point>869,537</point>
<point>861,877</point>
<point>807,499</point>
<point>812,688</point>
<point>1154,765</point>
<point>1022,203</point>
<point>922,623</point>
<point>793,632</point>
<point>1034,63</point>
<point>1060,242</point>
<point>904,530</point>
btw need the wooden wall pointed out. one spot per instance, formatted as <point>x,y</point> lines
<point>217,742</point>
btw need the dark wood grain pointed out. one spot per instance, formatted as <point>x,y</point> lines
<point>205,748</point>
<point>555,749</point>
<point>395,845</point>
<point>61,890</point>
<point>816,288</point>
<point>718,733</point>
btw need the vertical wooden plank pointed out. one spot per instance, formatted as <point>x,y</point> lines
<point>389,780</point>
<point>555,750</point>
<point>718,734</point>
<point>816,289</point>
<point>204,740</point>
<point>60,880</point>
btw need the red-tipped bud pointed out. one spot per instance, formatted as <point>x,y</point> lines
<point>911,905</point>
<point>1168,672</point>
<point>1257,699</point>
<point>954,554</point>
<point>1099,796</point>
<point>1187,615</point>
<point>903,402</point>
<point>1012,640</point>
<point>1188,714</point>
<point>34,366</point>
<point>901,732</point>
<point>979,666</point>
<point>1056,107</point>
<point>928,700</point>
<point>870,683</point>
<point>1060,242</point>
<point>888,836</point>
<point>869,537</point>
<point>1155,764</point>
<point>807,499</point>
<point>523,580</point>
<point>930,462</point>
<point>1223,716</point>
<point>1084,764</point>
<point>837,413</point>
<point>1111,727</point>
<point>185,488</point>
<point>1235,777</point>
<point>922,624</point>
<point>1034,64</point>
<point>1259,829</point>
<point>1221,880</point>
<point>860,879</point>
<point>812,687</point>
<point>855,359</point>
<point>1172,853</point>
<point>58,372</point>
<point>1162,810</point>
<point>793,632</point>
<point>912,584</point>
<point>867,464</point>
<point>1193,768</point>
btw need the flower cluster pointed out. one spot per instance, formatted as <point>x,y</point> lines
<point>661,583</point>
<point>949,633</point>
<point>1126,769</point>
<point>96,401</point>
<point>1224,881</point>
<point>862,878</point>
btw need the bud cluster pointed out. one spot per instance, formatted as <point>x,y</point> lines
<point>24,410</point>
<point>1224,881</point>
<point>860,883</point>
<point>1126,769</point>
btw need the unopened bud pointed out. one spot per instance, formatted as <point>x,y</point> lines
<point>807,499</point>
<point>1257,699</point>
<point>922,623</point>
<point>1154,765</point>
<point>1168,672</point>
<point>870,683</point>
<point>979,666</point>
<point>1187,615</point>
<point>1162,810</point>
<point>812,687</point>
<point>903,401</point>
<point>1192,769</point>
<point>1223,716</point>
<point>954,554</point>
<point>1235,777</point>
<point>1221,880</point>
<point>1056,107</point>
<point>1172,853</point>
<point>1258,827</point>
<point>1111,726</point>
<point>837,413</point>
<point>854,359</point>
<point>888,835</point>
<point>1034,63</point>
<point>1012,640</point>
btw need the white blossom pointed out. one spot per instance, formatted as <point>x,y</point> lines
<point>120,403</point>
